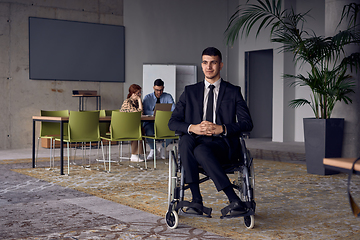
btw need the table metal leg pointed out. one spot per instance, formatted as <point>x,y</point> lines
<point>61,148</point>
<point>33,145</point>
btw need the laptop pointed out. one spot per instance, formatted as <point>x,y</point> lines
<point>162,107</point>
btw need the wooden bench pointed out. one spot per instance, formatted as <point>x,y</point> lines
<point>345,165</point>
<point>341,164</point>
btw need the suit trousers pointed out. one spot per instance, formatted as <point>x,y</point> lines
<point>210,153</point>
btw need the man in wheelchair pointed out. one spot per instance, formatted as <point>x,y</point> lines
<point>210,116</point>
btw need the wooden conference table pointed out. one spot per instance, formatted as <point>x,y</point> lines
<point>63,120</point>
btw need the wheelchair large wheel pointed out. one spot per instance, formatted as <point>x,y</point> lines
<point>249,221</point>
<point>172,176</point>
<point>172,219</point>
<point>252,176</point>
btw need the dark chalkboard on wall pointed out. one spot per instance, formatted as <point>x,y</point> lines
<point>76,51</point>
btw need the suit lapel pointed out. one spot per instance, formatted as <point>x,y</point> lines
<point>221,94</point>
<point>220,97</point>
<point>200,98</point>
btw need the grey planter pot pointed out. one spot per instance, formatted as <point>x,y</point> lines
<point>323,138</point>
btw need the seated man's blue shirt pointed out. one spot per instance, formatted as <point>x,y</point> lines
<point>150,99</point>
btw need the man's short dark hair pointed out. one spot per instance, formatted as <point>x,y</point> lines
<point>212,51</point>
<point>159,82</point>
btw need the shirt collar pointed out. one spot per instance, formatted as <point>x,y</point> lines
<point>216,84</point>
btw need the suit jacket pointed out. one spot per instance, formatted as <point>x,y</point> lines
<point>231,110</point>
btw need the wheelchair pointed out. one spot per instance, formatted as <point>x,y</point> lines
<point>244,184</point>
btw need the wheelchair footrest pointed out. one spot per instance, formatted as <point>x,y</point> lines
<point>235,215</point>
<point>228,212</point>
<point>207,211</point>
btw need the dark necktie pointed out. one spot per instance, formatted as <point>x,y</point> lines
<point>210,104</point>
<point>158,100</point>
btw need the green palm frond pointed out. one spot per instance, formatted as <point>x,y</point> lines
<point>353,61</point>
<point>298,103</point>
<point>350,12</point>
<point>243,20</point>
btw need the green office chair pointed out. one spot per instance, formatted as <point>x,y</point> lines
<point>50,130</point>
<point>161,129</point>
<point>104,129</point>
<point>105,126</point>
<point>109,112</point>
<point>83,127</point>
<point>125,126</point>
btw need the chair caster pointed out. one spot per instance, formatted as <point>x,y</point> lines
<point>249,221</point>
<point>172,219</point>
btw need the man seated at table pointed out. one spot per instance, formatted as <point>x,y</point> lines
<point>149,102</point>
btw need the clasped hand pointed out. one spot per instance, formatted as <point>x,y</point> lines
<point>206,128</point>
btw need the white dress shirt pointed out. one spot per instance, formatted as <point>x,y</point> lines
<point>206,94</point>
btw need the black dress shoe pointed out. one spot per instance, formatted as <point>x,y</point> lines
<point>238,207</point>
<point>195,207</point>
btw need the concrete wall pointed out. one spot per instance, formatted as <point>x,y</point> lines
<point>315,22</point>
<point>176,32</point>
<point>351,112</point>
<point>261,42</point>
<point>287,122</point>
<point>22,98</point>
<point>157,31</point>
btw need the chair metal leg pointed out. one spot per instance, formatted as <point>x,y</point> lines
<point>89,154</point>
<point>82,148</point>
<point>68,153</point>
<point>129,149</point>
<point>75,153</point>
<point>51,142</point>
<point>143,143</point>
<point>121,153</point>
<point>119,144</point>
<point>155,154</point>
<point>53,153</point>
<point>102,146</point>
<point>37,151</point>
<point>109,156</point>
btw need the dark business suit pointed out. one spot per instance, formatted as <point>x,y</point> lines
<point>210,152</point>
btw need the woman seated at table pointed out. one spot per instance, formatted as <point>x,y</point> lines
<point>133,104</point>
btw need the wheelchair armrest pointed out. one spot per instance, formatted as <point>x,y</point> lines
<point>245,134</point>
<point>244,150</point>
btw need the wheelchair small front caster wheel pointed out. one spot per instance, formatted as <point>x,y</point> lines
<point>172,219</point>
<point>249,221</point>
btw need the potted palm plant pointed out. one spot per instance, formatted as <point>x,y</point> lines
<point>329,63</point>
